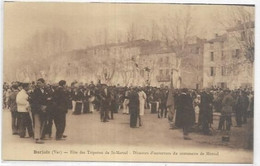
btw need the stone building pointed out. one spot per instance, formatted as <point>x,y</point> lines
<point>192,64</point>
<point>225,63</point>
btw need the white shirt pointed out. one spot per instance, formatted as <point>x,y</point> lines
<point>22,101</point>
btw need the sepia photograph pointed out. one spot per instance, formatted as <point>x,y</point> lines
<point>128,82</point>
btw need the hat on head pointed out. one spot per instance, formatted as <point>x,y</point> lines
<point>62,82</point>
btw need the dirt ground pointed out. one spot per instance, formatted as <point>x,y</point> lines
<point>86,130</point>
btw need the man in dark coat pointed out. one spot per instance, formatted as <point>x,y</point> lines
<point>241,108</point>
<point>162,103</point>
<point>206,113</point>
<point>113,105</point>
<point>133,107</point>
<point>226,111</point>
<point>49,111</point>
<point>105,101</point>
<point>39,106</point>
<point>178,111</point>
<point>85,101</point>
<point>186,112</point>
<point>61,100</point>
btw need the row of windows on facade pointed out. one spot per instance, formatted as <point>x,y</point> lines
<point>242,37</point>
<point>165,59</point>
<point>235,54</point>
<point>225,71</point>
<point>162,72</point>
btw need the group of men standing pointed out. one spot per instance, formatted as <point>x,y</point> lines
<point>191,108</point>
<point>35,107</point>
<point>108,100</point>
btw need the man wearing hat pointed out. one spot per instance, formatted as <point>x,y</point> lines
<point>105,97</point>
<point>186,113</point>
<point>133,106</point>
<point>226,112</point>
<point>241,108</point>
<point>206,113</point>
<point>61,100</point>
<point>39,106</point>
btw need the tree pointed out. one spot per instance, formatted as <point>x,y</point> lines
<point>31,58</point>
<point>244,19</point>
<point>239,23</point>
<point>132,33</point>
<point>176,31</point>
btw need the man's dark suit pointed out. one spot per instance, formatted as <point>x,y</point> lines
<point>133,108</point>
<point>163,95</point>
<point>38,102</point>
<point>61,100</point>
<point>49,113</point>
<point>105,97</point>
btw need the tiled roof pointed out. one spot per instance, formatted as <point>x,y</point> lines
<point>241,26</point>
<point>220,38</point>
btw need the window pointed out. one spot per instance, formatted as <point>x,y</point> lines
<point>223,71</point>
<point>167,59</point>
<point>212,56</point>
<point>167,72</point>
<point>222,45</point>
<point>212,71</point>
<point>222,55</point>
<point>236,53</point>
<point>223,85</point>
<point>243,35</point>
<point>211,45</point>
<point>142,73</point>
<point>161,72</point>
<point>197,50</point>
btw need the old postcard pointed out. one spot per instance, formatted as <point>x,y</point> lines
<point>128,82</point>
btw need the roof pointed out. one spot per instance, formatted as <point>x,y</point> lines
<point>146,47</point>
<point>241,26</point>
<point>133,43</point>
<point>220,38</point>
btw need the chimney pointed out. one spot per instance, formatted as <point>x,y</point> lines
<point>216,35</point>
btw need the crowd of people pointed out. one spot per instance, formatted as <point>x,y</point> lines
<point>35,106</point>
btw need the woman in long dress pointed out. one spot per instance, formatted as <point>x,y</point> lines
<point>79,97</point>
<point>86,102</point>
<point>91,95</point>
<point>125,103</point>
<point>142,98</point>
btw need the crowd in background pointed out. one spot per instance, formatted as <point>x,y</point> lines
<point>184,108</point>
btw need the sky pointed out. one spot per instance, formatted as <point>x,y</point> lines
<point>82,20</point>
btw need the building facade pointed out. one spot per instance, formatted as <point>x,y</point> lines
<point>225,61</point>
